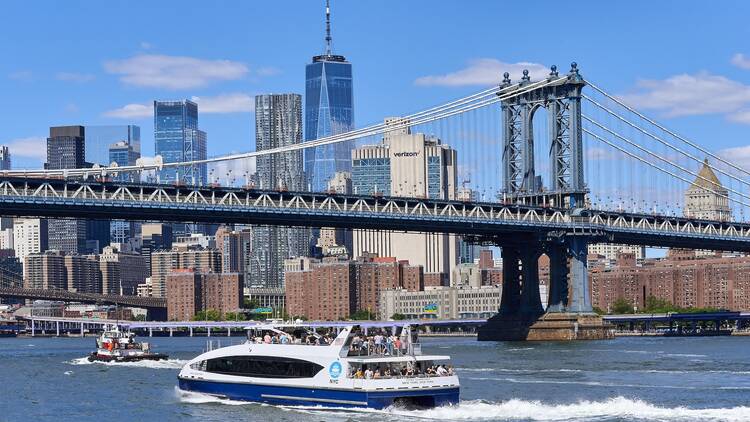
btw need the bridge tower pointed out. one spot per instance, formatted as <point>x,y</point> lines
<point>569,313</point>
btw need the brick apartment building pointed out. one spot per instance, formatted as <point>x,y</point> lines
<point>189,292</point>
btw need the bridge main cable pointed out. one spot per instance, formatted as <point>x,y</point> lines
<point>446,110</point>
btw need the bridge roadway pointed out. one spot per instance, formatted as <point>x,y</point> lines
<point>170,326</point>
<point>488,220</point>
<point>67,296</point>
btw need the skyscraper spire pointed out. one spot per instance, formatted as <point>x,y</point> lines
<point>328,27</point>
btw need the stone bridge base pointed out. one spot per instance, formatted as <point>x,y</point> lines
<point>552,326</point>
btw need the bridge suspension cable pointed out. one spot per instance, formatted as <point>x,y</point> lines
<point>670,145</point>
<point>650,164</point>
<point>661,158</point>
<point>460,106</point>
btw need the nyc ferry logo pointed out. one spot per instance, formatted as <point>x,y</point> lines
<point>334,370</point>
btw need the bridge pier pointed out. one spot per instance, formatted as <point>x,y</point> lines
<point>569,314</point>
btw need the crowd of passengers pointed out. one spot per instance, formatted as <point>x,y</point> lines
<point>400,370</point>
<point>381,343</point>
<point>285,338</point>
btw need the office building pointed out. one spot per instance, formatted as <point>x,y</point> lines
<point>278,123</point>
<point>177,139</point>
<point>123,153</point>
<point>329,110</point>
<point>407,165</point>
<point>100,141</point>
<point>4,158</point>
<point>190,291</point>
<point>122,272</point>
<point>66,150</point>
<point>610,251</point>
<point>45,270</point>
<point>29,237</point>
<point>335,288</point>
<point>707,198</point>
<point>231,245</point>
<point>83,275</point>
<point>164,262</point>
<point>330,240</point>
<point>155,237</point>
<point>441,302</point>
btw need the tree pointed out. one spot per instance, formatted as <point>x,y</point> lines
<point>598,310</point>
<point>139,318</point>
<point>234,316</point>
<point>398,317</point>
<point>207,315</point>
<point>622,306</point>
<point>362,315</point>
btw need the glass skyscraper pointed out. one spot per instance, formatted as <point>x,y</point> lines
<point>278,123</point>
<point>329,110</point>
<point>99,140</point>
<point>177,138</point>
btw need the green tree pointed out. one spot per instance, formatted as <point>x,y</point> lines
<point>362,315</point>
<point>622,306</point>
<point>234,316</point>
<point>207,315</point>
<point>398,317</point>
<point>598,310</point>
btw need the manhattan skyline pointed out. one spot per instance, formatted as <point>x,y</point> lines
<point>108,72</point>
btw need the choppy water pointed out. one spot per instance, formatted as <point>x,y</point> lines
<point>628,379</point>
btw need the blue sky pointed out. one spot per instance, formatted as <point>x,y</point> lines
<point>92,62</point>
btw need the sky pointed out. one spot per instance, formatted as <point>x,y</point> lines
<point>92,62</point>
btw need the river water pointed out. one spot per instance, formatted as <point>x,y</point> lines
<point>627,379</point>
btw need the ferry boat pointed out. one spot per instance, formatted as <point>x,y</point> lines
<point>295,365</point>
<point>116,346</point>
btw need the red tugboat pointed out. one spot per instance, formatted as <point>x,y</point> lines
<point>116,346</point>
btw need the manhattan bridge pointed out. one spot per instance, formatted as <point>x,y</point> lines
<point>550,166</point>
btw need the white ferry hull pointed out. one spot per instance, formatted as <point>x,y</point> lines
<point>329,397</point>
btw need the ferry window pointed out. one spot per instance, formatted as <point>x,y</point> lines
<point>263,367</point>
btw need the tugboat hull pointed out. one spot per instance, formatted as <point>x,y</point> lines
<point>95,357</point>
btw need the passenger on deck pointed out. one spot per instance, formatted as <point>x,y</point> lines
<point>441,371</point>
<point>368,373</point>
<point>267,339</point>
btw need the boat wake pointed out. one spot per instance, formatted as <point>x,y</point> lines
<point>201,398</point>
<point>617,408</point>
<point>154,364</point>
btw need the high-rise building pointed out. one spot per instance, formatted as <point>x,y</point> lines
<point>329,110</point>
<point>177,139</point>
<point>155,237</point>
<point>190,291</point>
<point>164,262</point>
<point>231,246</point>
<point>330,239</point>
<point>707,198</point>
<point>278,123</point>
<point>29,236</point>
<point>4,158</point>
<point>66,150</point>
<point>83,275</point>
<point>101,139</point>
<point>122,272</point>
<point>45,270</point>
<point>408,165</point>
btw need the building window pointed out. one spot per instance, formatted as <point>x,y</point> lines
<point>263,367</point>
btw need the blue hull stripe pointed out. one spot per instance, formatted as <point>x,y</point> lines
<point>308,396</point>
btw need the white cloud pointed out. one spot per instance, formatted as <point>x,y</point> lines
<point>74,77</point>
<point>131,111</point>
<point>225,103</point>
<point>174,72</point>
<point>21,75</point>
<point>146,45</point>
<point>32,147</point>
<point>485,72</point>
<point>738,155</point>
<point>238,167</point>
<point>741,116</point>
<point>741,61</point>
<point>689,95</point>
<point>267,71</point>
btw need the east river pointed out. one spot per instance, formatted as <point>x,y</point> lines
<point>627,379</point>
